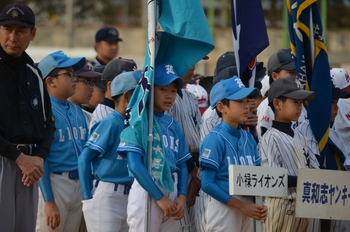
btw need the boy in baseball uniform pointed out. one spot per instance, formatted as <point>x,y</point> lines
<point>281,146</point>
<point>229,144</point>
<point>105,209</point>
<point>166,183</point>
<point>60,198</point>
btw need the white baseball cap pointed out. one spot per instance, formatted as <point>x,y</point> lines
<point>341,78</point>
<point>201,95</point>
<point>265,85</point>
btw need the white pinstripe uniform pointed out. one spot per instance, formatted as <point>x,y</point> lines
<point>266,116</point>
<point>278,149</point>
<point>101,111</point>
<point>185,110</point>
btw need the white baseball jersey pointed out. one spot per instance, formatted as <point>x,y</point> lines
<point>185,110</point>
<point>100,113</point>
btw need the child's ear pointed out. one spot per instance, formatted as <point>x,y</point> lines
<point>277,104</point>
<point>109,83</point>
<point>49,81</point>
<point>221,107</point>
<point>126,96</point>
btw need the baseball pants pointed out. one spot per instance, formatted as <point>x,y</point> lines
<point>281,216</point>
<point>136,210</point>
<point>18,203</point>
<point>106,211</point>
<point>68,197</point>
<point>220,217</point>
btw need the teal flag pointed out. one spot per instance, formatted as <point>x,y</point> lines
<point>184,40</point>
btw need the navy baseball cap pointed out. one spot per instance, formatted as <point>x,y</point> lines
<point>88,71</point>
<point>98,81</point>
<point>116,67</point>
<point>125,81</point>
<point>17,13</point>
<point>281,59</point>
<point>166,74</point>
<point>107,34</point>
<point>60,59</point>
<point>225,60</point>
<point>231,89</point>
<point>289,87</point>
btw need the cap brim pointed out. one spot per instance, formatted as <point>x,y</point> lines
<point>243,93</point>
<point>164,82</point>
<point>100,85</point>
<point>301,95</point>
<point>290,66</point>
<point>113,39</point>
<point>205,58</point>
<point>17,22</point>
<point>90,74</point>
<point>338,93</point>
<point>76,63</point>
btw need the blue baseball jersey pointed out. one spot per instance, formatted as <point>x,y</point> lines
<point>69,137</point>
<point>173,140</point>
<point>226,145</point>
<point>108,166</point>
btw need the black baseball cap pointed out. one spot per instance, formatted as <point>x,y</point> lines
<point>116,67</point>
<point>225,60</point>
<point>88,71</point>
<point>289,87</point>
<point>339,93</point>
<point>107,34</point>
<point>17,13</point>
<point>281,59</point>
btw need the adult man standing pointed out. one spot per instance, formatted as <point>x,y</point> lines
<point>26,123</point>
<point>106,45</point>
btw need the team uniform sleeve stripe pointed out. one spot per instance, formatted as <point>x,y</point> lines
<point>184,158</point>
<point>95,147</point>
<point>206,162</point>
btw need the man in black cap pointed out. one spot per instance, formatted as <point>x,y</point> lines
<point>106,45</point>
<point>26,123</point>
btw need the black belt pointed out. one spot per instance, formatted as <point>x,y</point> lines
<point>127,187</point>
<point>73,175</point>
<point>25,148</point>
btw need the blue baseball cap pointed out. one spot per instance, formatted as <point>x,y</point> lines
<point>125,81</point>
<point>60,59</point>
<point>107,34</point>
<point>231,89</point>
<point>166,74</point>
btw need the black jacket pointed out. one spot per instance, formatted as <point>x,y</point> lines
<point>21,107</point>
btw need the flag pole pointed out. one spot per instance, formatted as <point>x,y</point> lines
<point>151,41</point>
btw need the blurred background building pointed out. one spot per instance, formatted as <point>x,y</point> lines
<point>71,25</point>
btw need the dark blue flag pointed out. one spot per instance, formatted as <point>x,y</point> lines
<point>250,36</point>
<point>311,62</point>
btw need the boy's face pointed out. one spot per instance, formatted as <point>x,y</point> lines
<point>284,73</point>
<point>97,97</point>
<point>335,108</point>
<point>287,111</point>
<point>164,97</point>
<point>63,84</point>
<point>237,112</point>
<point>83,91</point>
